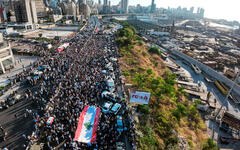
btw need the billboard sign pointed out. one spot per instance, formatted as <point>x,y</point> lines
<point>139,97</point>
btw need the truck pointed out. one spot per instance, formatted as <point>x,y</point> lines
<point>221,87</point>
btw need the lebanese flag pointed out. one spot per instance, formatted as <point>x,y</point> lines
<point>50,120</point>
<point>87,125</point>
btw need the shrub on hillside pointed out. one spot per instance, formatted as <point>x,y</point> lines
<point>125,73</point>
<point>154,50</point>
<point>143,109</point>
<point>210,145</point>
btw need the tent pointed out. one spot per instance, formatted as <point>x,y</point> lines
<point>87,125</point>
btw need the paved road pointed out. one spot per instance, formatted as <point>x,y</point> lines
<point>16,127</point>
<point>230,105</point>
<point>9,91</point>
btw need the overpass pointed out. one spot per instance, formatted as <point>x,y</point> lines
<point>123,15</point>
<point>143,26</point>
<point>212,73</point>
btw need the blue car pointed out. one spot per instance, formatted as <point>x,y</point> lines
<point>116,107</point>
<point>119,124</point>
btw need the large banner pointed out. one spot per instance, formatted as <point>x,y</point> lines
<point>139,97</point>
<point>87,125</point>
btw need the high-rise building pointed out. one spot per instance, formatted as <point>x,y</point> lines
<point>82,1</point>
<point>105,6</point>
<point>69,8</point>
<point>40,8</point>
<point>124,6</point>
<point>153,7</point>
<point>25,11</point>
<point>192,10</point>
<point>105,2</point>
<point>99,2</point>
<point>201,13</point>
<point>109,6</point>
<point>84,9</point>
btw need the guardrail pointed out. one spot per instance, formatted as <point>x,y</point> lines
<point>214,74</point>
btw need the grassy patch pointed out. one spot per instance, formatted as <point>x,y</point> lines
<point>143,109</point>
<point>148,141</point>
<point>125,73</point>
<point>210,145</point>
<point>125,52</point>
<point>134,70</point>
<point>140,68</point>
<point>131,61</point>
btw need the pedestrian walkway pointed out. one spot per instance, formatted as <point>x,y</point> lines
<point>21,62</point>
<point>9,91</point>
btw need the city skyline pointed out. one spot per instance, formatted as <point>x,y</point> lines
<point>213,9</point>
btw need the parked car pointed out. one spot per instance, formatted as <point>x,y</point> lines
<point>120,146</point>
<point>109,96</point>
<point>106,107</point>
<point>119,124</point>
<point>116,107</point>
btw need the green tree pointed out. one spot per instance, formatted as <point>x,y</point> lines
<point>40,35</point>
<point>154,50</point>
<point>210,145</point>
<point>149,71</point>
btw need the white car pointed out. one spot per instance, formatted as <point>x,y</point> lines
<point>120,146</point>
<point>109,96</point>
<point>106,107</point>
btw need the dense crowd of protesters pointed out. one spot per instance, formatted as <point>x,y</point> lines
<point>68,81</point>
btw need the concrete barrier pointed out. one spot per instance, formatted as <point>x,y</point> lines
<point>212,73</point>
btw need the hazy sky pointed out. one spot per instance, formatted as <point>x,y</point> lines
<point>220,9</point>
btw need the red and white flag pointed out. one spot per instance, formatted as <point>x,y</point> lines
<point>87,125</point>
